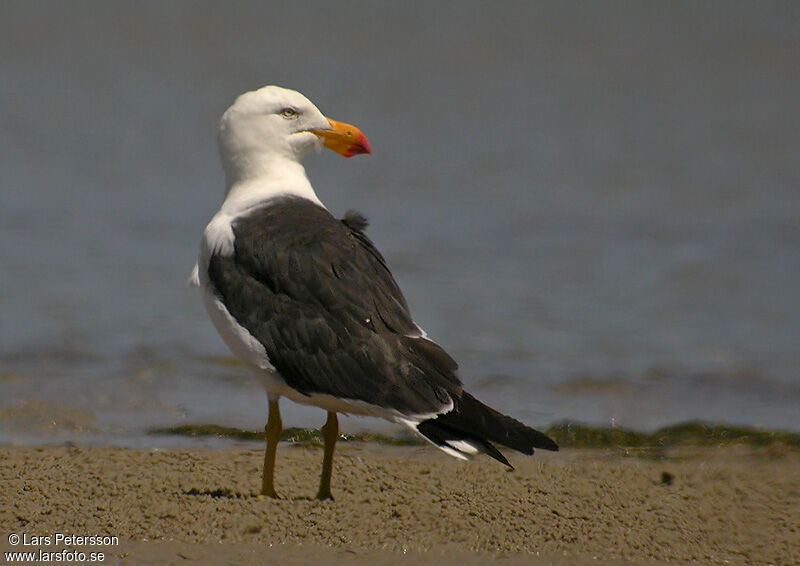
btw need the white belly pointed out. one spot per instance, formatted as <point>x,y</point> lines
<point>242,344</point>
<point>245,347</point>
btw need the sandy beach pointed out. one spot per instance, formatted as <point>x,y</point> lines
<point>404,505</point>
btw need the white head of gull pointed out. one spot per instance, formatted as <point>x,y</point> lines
<point>265,135</point>
<point>263,138</point>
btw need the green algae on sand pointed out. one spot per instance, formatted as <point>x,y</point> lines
<point>567,435</point>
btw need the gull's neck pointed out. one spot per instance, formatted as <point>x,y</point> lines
<point>265,179</point>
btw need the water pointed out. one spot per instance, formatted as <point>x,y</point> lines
<point>595,209</point>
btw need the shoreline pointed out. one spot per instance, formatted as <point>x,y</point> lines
<point>566,434</point>
<point>409,504</point>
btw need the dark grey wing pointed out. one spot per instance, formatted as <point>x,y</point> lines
<point>318,295</point>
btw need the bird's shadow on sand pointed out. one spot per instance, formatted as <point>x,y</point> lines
<point>225,493</point>
<point>219,493</point>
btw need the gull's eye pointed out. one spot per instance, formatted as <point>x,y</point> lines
<point>289,113</point>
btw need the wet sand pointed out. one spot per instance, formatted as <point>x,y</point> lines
<point>411,505</point>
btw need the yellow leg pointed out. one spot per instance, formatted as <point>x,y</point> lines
<point>273,435</point>
<point>330,432</point>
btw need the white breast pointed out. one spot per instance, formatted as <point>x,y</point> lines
<point>218,239</point>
